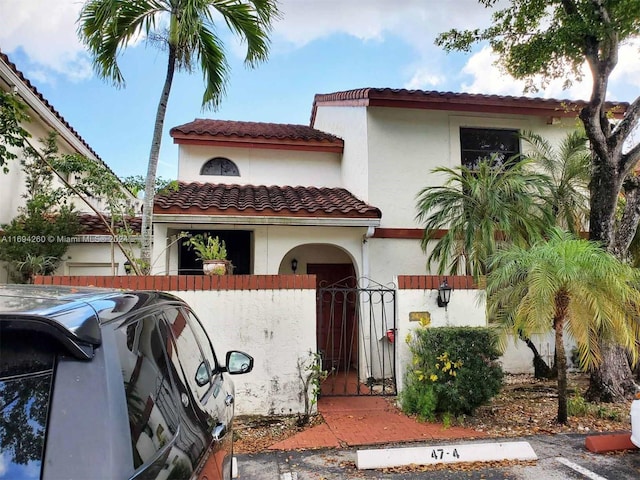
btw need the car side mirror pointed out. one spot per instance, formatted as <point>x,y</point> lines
<point>239,362</point>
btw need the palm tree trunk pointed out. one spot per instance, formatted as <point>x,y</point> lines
<point>562,374</point>
<point>152,168</point>
<point>562,301</point>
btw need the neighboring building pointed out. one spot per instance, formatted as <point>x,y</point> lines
<point>91,253</point>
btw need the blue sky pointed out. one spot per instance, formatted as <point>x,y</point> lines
<point>319,46</point>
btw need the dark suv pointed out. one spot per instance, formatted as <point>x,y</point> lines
<point>100,384</point>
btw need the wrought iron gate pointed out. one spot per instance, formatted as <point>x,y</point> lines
<point>356,337</point>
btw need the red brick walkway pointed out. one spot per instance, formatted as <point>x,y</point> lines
<point>354,421</point>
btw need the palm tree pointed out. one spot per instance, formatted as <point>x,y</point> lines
<point>567,169</point>
<point>187,29</point>
<point>566,284</point>
<point>481,209</point>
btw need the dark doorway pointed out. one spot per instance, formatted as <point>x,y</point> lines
<point>238,243</point>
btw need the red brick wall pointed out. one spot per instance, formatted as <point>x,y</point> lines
<point>432,282</point>
<point>187,282</point>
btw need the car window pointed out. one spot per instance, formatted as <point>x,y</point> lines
<point>198,364</point>
<point>203,339</point>
<point>27,363</point>
<point>151,399</point>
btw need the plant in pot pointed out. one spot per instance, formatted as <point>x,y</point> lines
<point>212,252</point>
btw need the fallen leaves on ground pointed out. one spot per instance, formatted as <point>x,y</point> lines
<point>529,406</point>
<point>525,406</point>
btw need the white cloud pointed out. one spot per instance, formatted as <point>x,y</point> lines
<point>424,79</point>
<point>46,31</point>
<point>628,68</point>
<point>416,21</point>
<point>486,77</point>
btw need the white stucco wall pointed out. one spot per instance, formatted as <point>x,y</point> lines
<point>350,124</point>
<point>467,308</point>
<point>262,166</point>
<point>92,259</point>
<point>276,327</point>
<point>405,145</point>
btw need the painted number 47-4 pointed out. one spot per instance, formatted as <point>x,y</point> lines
<point>442,453</point>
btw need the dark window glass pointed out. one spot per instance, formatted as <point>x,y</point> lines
<point>26,372</point>
<point>477,144</point>
<point>220,166</point>
<point>151,400</point>
<point>197,368</point>
<point>238,243</point>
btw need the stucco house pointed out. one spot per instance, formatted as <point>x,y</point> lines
<point>337,196</point>
<point>91,251</point>
<point>337,199</point>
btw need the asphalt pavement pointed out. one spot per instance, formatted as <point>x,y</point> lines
<point>561,457</point>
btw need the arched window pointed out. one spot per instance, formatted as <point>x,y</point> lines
<point>220,166</point>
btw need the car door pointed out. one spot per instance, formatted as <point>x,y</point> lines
<point>208,393</point>
<point>162,444</point>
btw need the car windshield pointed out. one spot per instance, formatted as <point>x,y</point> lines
<point>26,371</point>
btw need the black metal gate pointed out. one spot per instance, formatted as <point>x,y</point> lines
<point>356,337</point>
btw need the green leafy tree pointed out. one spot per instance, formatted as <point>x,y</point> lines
<point>36,240</point>
<point>480,210</point>
<point>566,169</point>
<point>542,40</point>
<point>188,30</point>
<point>569,285</point>
<point>471,206</point>
<point>12,134</point>
<point>94,182</point>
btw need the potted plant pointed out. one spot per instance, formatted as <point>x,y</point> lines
<point>212,252</point>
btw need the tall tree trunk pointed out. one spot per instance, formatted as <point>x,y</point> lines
<point>613,380</point>
<point>152,168</point>
<point>540,367</point>
<point>562,301</point>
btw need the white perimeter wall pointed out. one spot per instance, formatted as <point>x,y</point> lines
<point>467,309</point>
<point>276,327</point>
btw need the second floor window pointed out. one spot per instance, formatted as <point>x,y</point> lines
<point>477,144</point>
<point>220,166</point>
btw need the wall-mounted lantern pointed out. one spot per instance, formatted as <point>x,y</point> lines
<point>444,294</point>
<point>294,265</point>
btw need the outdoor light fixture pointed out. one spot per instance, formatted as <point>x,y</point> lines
<point>444,294</point>
<point>294,265</point>
<point>128,268</point>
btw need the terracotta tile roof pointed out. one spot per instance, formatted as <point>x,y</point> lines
<point>429,99</point>
<point>92,225</point>
<point>218,199</point>
<point>203,130</point>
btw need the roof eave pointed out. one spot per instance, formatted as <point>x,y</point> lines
<point>188,219</point>
<point>258,142</point>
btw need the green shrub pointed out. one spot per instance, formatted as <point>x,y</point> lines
<point>577,406</point>
<point>419,398</point>
<point>455,368</point>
